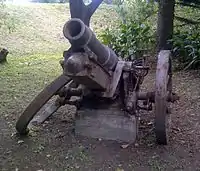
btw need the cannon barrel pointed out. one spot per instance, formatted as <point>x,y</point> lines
<point>79,35</point>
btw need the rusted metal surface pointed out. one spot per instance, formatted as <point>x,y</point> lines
<point>131,104</point>
<point>39,102</point>
<point>115,80</point>
<point>63,98</point>
<point>76,63</point>
<point>79,35</point>
<point>161,93</point>
<point>151,97</point>
<point>92,77</point>
<point>129,66</point>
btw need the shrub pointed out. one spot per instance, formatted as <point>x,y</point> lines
<point>129,40</point>
<point>186,48</point>
<point>136,10</point>
<point>134,34</point>
<point>186,38</point>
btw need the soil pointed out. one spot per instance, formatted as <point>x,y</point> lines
<point>53,146</point>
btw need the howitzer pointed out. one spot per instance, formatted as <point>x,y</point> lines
<point>107,90</point>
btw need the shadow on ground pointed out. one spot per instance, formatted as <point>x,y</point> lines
<point>53,146</point>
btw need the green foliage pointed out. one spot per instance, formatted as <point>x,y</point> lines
<point>129,40</point>
<point>134,34</point>
<point>187,48</point>
<point>186,39</point>
<point>138,10</point>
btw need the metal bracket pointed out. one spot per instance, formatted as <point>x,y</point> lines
<point>115,79</point>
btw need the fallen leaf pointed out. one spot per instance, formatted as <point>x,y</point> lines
<point>77,166</point>
<point>136,145</point>
<point>48,155</point>
<point>125,146</point>
<point>20,142</point>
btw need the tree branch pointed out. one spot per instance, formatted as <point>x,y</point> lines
<point>79,10</point>
<point>188,5</point>
<point>187,21</point>
<point>94,5</point>
<point>75,7</point>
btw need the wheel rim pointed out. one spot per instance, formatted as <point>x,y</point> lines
<point>163,88</point>
<point>40,100</point>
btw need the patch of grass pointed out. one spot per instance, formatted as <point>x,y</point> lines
<point>156,165</point>
<point>23,78</point>
<point>39,30</point>
<point>39,27</point>
<point>104,17</point>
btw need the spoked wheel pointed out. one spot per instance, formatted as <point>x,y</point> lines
<point>34,107</point>
<point>163,89</point>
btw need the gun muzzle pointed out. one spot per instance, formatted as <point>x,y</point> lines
<point>79,35</point>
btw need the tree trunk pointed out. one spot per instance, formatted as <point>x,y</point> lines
<point>84,12</point>
<point>165,24</point>
<point>3,55</point>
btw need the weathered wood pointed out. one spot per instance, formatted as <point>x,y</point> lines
<point>48,111</point>
<point>3,55</point>
<point>161,93</point>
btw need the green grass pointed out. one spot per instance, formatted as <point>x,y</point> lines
<point>36,44</point>
<point>38,28</point>
<point>23,78</point>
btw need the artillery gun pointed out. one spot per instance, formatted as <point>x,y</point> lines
<point>105,90</point>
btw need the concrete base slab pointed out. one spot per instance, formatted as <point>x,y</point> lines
<point>106,124</point>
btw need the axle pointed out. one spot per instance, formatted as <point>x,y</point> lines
<point>149,96</point>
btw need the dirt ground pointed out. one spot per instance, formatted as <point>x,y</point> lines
<point>53,147</point>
